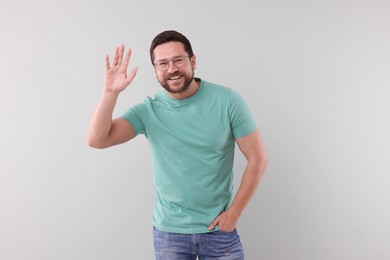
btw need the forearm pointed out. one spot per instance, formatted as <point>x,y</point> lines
<point>100,124</point>
<point>251,178</point>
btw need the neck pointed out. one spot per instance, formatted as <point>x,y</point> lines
<point>192,89</point>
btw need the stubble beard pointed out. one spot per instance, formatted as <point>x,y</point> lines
<point>187,82</point>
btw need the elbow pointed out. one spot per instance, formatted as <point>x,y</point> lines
<point>264,161</point>
<point>261,163</point>
<point>91,142</point>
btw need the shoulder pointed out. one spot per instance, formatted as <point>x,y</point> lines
<point>220,90</point>
<point>223,92</point>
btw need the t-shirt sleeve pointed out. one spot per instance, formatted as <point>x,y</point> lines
<point>136,115</point>
<point>242,122</point>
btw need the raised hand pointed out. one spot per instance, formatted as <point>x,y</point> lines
<point>116,78</point>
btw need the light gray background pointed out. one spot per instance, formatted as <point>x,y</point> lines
<point>316,75</point>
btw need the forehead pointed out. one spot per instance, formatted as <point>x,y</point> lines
<point>169,50</point>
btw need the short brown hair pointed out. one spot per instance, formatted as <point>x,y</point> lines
<point>170,36</point>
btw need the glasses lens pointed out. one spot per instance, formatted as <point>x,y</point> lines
<point>164,64</point>
<point>179,62</point>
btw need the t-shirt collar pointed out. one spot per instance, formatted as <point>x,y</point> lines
<point>182,102</point>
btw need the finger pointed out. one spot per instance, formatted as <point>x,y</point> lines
<point>115,59</point>
<point>107,62</point>
<point>127,58</point>
<point>120,54</point>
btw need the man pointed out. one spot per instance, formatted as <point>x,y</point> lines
<point>192,127</point>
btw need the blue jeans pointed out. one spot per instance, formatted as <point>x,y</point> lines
<point>214,245</point>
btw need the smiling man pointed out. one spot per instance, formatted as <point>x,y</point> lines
<point>192,127</point>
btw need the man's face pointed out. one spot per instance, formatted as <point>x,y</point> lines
<point>176,78</point>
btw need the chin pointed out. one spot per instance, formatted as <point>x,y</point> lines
<point>176,90</point>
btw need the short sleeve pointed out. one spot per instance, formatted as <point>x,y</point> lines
<point>241,119</point>
<point>136,115</point>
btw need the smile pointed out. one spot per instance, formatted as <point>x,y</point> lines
<point>175,77</point>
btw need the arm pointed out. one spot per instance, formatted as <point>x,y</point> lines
<point>252,147</point>
<point>103,131</point>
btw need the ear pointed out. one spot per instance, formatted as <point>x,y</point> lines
<point>193,62</point>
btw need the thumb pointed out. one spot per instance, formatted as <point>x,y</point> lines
<point>214,223</point>
<point>131,76</point>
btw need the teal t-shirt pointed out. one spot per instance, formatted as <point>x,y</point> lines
<point>192,142</point>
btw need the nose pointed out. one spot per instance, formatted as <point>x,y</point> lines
<point>172,67</point>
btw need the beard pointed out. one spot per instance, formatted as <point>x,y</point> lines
<point>188,78</point>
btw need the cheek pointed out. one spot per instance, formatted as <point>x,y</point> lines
<point>188,70</point>
<point>160,75</point>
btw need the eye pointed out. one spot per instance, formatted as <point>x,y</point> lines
<point>178,61</point>
<point>162,64</point>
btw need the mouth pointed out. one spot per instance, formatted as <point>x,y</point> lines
<point>173,78</point>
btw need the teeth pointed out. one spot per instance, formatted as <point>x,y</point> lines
<point>172,78</point>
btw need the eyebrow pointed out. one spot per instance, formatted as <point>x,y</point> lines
<point>174,57</point>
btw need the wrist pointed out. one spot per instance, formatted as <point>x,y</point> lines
<point>234,211</point>
<point>111,93</point>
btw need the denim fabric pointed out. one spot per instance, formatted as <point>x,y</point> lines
<point>205,246</point>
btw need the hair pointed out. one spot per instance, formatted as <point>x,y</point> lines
<point>170,36</point>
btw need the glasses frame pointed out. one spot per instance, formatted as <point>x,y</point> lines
<point>173,61</point>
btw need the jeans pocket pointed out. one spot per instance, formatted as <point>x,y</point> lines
<point>227,233</point>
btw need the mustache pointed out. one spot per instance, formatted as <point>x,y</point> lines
<point>175,74</point>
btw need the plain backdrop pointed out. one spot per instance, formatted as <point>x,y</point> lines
<point>316,75</point>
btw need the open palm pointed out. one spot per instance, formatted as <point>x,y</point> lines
<point>116,78</point>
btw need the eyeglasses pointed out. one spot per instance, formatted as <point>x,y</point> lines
<point>178,61</point>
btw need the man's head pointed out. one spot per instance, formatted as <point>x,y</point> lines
<point>173,61</point>
<point>170,36</point>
